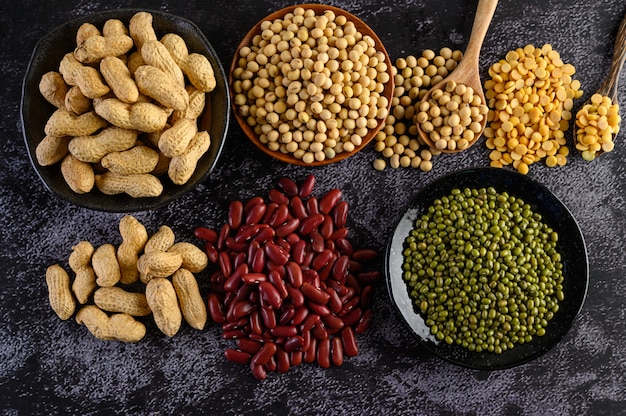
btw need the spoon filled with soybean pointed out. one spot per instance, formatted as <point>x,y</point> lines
<point>453,114</point>
<point>598,120</point>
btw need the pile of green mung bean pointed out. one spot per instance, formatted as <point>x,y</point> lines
<point>483,269</point>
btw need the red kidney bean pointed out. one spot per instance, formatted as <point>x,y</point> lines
<point>254,278</point>
<point>221,238</point>
<point>214,306</point>
<point>337,287</point>
<point>353,283</point>
<point>337,351</point>
<point>308,224</point>
<point>314,294</point>
<point>239,259</point>
<point>247,232</point>
<point>312,206</point>
<point>255,214</point>
<point>211,252</point>
<point>284,244</point>
<point>317,241</point>
<point>271,364</point>
<point>288,227</point>
<point>321,259</point>
<point>323,353</point>
<point>344,246</point>
<point>235,214</point>
<point>284,331</point>
<point>235,246</point>
<point>311,276</point>
<point>340,268</point>
<point>355,267</point>
<point>276,253</point>
<point>292,238</point>
<point>369,277</point>
<point>277,197</point>
<point>310,354</point>
<point>294,273</point>
<point>252,202</point>
<point>340,233</point>
<point>248,345</point>
<point>257,262</point>
<point>364,255</point>
<point>298,208</point>
<point>327,228</point>
<point>234,280</point>
<point>319,331</point>
<point>264,355</point>
<point>239,324</point>
<point>256,322</point>
<point>258,371</point>
<point>352,317</point>
<point>340,214</point>
<point>237,356</point>
<point>238,310</point>
<point>364,323</point>
<point>295,358</point>
<point>332,321</point>
<point>349,305</point>
<point>279,216</point>
<point>270,294</point>
<point>287,315</point>
<point>297,298</point>
<point>366,296</point>
<point>265,235</point>
<point>233,334</point>
<point>328,201</point>
<point>283,362</point>
<point>306,339</point>
<point>269,317</point>
<point>349,342</point>
<point>319,309</point>
<point>334,301</point>
<point>311,320</point>
<point>269,212</point>
<point>308,258</point>
<point>206,234</point>
<point>325,271</point>
<point>300,314</point>
<point>225,264</point>
<point>275,279</point>
<point>288,186</point>
<point>306,187</point>
<point>298,250</point>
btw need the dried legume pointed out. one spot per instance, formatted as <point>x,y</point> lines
<point>530,96</point>
<point>311,85</point>
<point>597,123</point>
<point>484,270</point>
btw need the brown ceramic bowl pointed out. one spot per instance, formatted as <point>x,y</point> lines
<point>319,10</point>
<point>35,110</point>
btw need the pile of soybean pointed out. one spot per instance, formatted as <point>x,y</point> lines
<point>483,269</point>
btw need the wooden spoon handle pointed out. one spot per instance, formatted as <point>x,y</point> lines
<point>609,86</point>
<point>482,19</point>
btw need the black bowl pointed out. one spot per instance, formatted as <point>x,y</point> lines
<point>35,110</point>
<point>571,245</point>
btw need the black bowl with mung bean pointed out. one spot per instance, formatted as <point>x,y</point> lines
<point>487,267</point>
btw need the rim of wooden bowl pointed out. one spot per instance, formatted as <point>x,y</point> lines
<point>319,9</point>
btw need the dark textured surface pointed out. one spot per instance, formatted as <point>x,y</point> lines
<point>54,367</point>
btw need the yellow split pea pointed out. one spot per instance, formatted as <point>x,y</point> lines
<point>530,97</point>
<point>311,85</point>
<point>597,123</point>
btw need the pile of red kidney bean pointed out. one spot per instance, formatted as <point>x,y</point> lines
<point>289,287</point>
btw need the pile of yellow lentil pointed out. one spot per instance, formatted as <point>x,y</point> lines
<point>311,85</point>
<point>530,96</point>
<point>597,122</point>
<point>398,141</point>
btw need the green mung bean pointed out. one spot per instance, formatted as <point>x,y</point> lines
<point>484,270</point>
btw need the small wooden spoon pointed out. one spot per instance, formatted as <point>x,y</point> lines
<point>609,86</point>
<point>467,71</point>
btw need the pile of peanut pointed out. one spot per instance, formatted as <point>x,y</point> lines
<point>127,109</point>
<point>103,291</point>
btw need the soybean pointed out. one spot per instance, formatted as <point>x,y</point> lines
<point>484,270</point>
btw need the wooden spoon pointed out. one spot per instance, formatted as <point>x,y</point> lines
<point>467,71</point>
<point>609,86</point>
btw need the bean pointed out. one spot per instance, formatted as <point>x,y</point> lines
<point>340,268</point>
<point>344,246</point>
<point>248,345</point>
<point>238,310</point>
<point>323,353</point>
<point>310,354</point>
<point>352,318</point>
<point>225,264</point>
<point>300,314</point>
<point>206,234</point>
<point>235,279</point>
<point>312,206</point>
<point>298,251</point>
<point>276,279</point>
<point>258,371</point>
<point>297,298</point>
<point>337,351</point>
<point>284,331</point>
<point>308,224</point>
<point>277,197</point>
<point>339,233</point>
<point>369,277</point>
<point>211,252</point>
<point>247,232</point>
<point>364,255</point>
<point>256,322</point>
<point>333,321</point>
<point>269,212</point>
<point>317,241</point>
<point>276,253</point>
<point>340,214</point>
<point>235,214</point>
<point>221,239</point>
<point>321,259</point>
<point>254,278</point>
<point>294,273</point>
<point>364,322</point>
<point>327,228</point>
<point>279,216</point>
<point>257,263</point>
<point>314,294</point>
<point>235,246</point>
<point>270,294</point>
<point>295,358</point>
<point>283,362</point>
<point>269,317</point>
<point>306,187</point>
<point>214,306</point>
<point>251,203</point>
<point>349,342</point>
<point>294,343</point>
<point>289,186</point>
<point>321,310</point>
<point>328,201</point>
<point>237,356</point>
<point>366,296</point>
<point>298,208</point>
<point>288,227</point>
<point>255,214</point>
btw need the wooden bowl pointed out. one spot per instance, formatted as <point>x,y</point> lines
<point>319,10</point>
<point>35,110</point>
